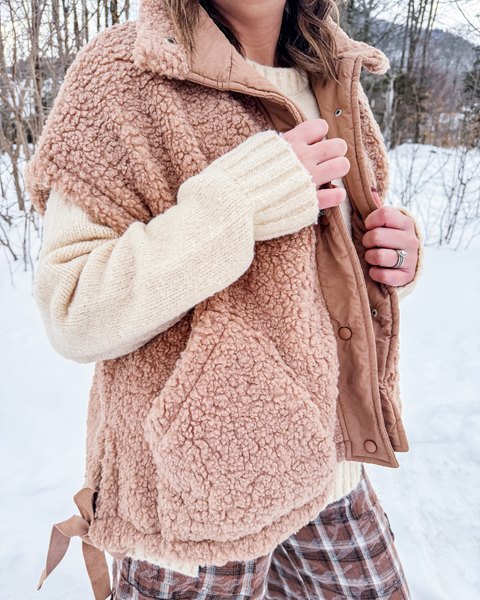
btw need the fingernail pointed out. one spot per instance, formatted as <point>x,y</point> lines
<point>376,197</point>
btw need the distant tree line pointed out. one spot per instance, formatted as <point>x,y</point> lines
<point>38,42</point>
<point>431,93</point>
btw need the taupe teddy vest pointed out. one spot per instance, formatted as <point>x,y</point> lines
<point>218,438</point>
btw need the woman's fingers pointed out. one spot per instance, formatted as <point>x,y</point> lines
<point>309,132</point>
<point>390,230</point>
<point>313,131</point>
<point>323,159</point>
<point>330,197</point>
<point>329,170</point>
<point>329,149</point>
<point>382,257</point>
<point>390,217</point>
<point>393,277</point>
<point>385,237</point>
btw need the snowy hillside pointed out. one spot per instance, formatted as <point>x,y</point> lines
<point>432,500</point>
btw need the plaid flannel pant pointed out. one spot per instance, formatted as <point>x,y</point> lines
<point>346,552</point>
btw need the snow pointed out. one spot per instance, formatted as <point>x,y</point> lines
<point>431,500</point>
<point>43,400</point>
<point>440,186</point>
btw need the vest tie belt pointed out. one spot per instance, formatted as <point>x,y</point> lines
<point>95,560</point>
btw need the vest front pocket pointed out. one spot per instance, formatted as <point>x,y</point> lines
<point>237,442</point>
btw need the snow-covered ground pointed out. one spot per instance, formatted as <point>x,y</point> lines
<point>432,500</point>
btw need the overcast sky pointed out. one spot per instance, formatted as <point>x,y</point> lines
<point>450,17</point>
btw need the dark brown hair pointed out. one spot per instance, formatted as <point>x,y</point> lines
<point>306,42</point>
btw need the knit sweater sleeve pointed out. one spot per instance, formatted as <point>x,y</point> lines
<point>103,295</point>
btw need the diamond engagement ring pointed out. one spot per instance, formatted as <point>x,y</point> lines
<point>401,257</point>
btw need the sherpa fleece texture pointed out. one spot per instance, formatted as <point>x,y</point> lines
<point>197,268</point>
<point>250,416</point>
<point>218,438</point>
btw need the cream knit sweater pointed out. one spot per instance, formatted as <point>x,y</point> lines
<point>102,295</point>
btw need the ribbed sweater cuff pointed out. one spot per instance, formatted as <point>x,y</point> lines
<point>269,174</point>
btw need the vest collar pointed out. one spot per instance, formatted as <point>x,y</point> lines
<point>215,62</point>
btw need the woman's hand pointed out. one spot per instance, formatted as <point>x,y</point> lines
<point>324,159</point>
<point>390,230</point>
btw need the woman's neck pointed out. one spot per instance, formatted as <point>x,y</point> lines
<point>257,25</point>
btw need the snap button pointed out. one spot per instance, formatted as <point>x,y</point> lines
<point>370,447</point>
<point>345,333</point>
<point>374,312</point>
<point>171,41</point>
<point>338,112</point>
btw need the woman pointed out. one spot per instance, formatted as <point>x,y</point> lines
<point>246,353</point>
